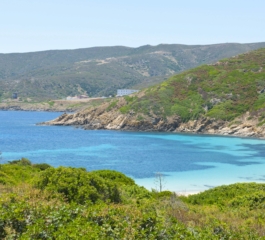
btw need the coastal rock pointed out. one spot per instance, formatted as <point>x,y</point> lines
<point>103,118</point>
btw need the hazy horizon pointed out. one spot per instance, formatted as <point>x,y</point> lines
<point>69,49</point>
<point>31,26</point>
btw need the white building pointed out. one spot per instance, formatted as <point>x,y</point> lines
<point>123,92</point>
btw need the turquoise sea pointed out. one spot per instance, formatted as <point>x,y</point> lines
<point>189,163</point>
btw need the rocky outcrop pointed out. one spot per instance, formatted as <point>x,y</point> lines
<point>11,108</point>
<point>30,107</point>
<point>103,118</point>
<point>37,109</point>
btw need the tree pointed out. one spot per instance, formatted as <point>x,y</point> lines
<point>160,181</point>
<point>0,159</point>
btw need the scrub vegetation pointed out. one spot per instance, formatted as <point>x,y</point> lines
<point>224,90</point>
<point>38,201</point>
<point>100,71</point>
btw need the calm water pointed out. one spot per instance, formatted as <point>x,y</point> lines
<point>188,162</point>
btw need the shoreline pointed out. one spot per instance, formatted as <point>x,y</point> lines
<point>35,110</point>
<point>162,132</point>
<point>176,132</point>
<point>19,109</point>
<point>106,118</point>
<point>52,105</point>
<point>188,132</point>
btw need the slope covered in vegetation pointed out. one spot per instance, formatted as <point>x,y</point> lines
<point>223,90</point>
<point>227,97</point>
<point>100,71</point>
<point>38,201</point>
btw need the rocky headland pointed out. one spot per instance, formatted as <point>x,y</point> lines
<point>225,98</point>
<point>102,118</point>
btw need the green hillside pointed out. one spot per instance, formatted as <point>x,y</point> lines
<point>38,201</point>
<point>101,71</point>
<point>224,90</point>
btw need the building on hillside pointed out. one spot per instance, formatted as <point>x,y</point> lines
<point>15,95</point>
<point>123,92</point>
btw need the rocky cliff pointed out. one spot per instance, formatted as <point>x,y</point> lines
<point>103,118</point>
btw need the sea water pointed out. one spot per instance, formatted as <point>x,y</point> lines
<point>186,162</point>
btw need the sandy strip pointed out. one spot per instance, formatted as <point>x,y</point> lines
<point>186,193</point>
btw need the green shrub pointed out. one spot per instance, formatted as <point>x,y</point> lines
<point>78,185</point>
<point>129,99</point>
<point>21,162</point>
<point>18,171</point>
<point>51,103</point>
<point>125,109</point>
<point>114,177</point>
<point>41,166</point>
<point>140,118</point>
<point>226,110</point>
<point>260,102</point>
<point>181,111</point>
<point>6,179</point>
<point>226,194</point>
<point>112,105</point>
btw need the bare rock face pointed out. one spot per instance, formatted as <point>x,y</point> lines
<point>103,118</point>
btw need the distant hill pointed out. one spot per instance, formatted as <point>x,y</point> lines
<point>227,97</point>
<point>101,71</point>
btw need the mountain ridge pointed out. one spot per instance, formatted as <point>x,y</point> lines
<point>100,71</point>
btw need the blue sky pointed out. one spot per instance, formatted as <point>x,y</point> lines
<point>36,25</point>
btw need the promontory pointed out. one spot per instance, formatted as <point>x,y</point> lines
<point>226,98</point>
